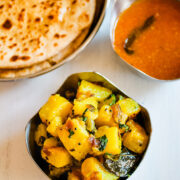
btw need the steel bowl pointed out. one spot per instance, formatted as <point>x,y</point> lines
<point>71,83</point>
<point>100,11</point>
<point>118,7</point>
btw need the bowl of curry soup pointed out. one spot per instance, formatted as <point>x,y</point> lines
<point>146,35</point>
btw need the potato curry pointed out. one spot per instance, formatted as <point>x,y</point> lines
<point>91,134</point>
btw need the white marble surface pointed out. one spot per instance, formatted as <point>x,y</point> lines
<point>19,101</point>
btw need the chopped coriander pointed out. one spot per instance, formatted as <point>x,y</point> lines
<point>85,111</point>
<point>113,100</point>
<point>121,97</point>
<point>124,126</point>
<point>108,154</point>
<point>103,142</point>
<point>84,118</point>
<point>128,175</point>
<point>79,82</point>
<point>70,133</point>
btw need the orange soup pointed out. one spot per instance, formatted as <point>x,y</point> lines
<point>147,36</point>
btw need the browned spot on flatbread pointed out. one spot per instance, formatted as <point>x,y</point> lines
<point>52,4</point>
<point>7,24</point>
<point>57,35</point>
<point>25,49</point>
<point>25,58</point>
<point>71,26</point>
<point>14,58</point>
<point>74,2</point>
<point>3,37</point>
<point>1,6</point>
<point>21,16</point>
<point>50,17</point>
<point>9,6</point>
<point>55,44</point>
<point>41,54</point>
<point>63,35</point>
<point>12,46</point>
<point>38,19</point>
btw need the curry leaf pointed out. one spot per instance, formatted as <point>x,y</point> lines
<point>70,133</point>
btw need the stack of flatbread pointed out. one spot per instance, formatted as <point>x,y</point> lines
<point>36,34</point>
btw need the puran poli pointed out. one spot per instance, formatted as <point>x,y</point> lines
<point>40,67</point>
<point>32,31</point>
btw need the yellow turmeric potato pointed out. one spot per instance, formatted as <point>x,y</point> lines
<point>40,134</point>
<point>110,141</point>
<point>75,175</point>
<point>50,142</point>
<point>92,169</point>
<point>56,106</point>
<point>119,116</point>
<point>54,125</point>
<point>129,107</point>
<point>56,156</point>
<point>87,89</point>
<point>105,117</point>
<point>136,140</point>
<point>75,138</point>
<point>86,107</point>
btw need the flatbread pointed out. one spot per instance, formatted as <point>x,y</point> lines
<point>32,31</point>
<point>42,66</point>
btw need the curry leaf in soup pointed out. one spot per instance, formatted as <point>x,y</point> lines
<point>136,33</point>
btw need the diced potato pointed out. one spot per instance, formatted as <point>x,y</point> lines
<point>113,145</point>
<point>74,136</point>
<point>40,134</point>
<point>87,89</point>
<point>105,117</point>
<point>54,125</point>
<point>50,142</point>
<point>75,175</point>
<point>136,140</point>
<point>92,169</point>
<point>129,107</point>
<point>86,107</point>
<point>56,106</point>
<point>90,125</point>
<point>119,116</point>
<point>56,156</point>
